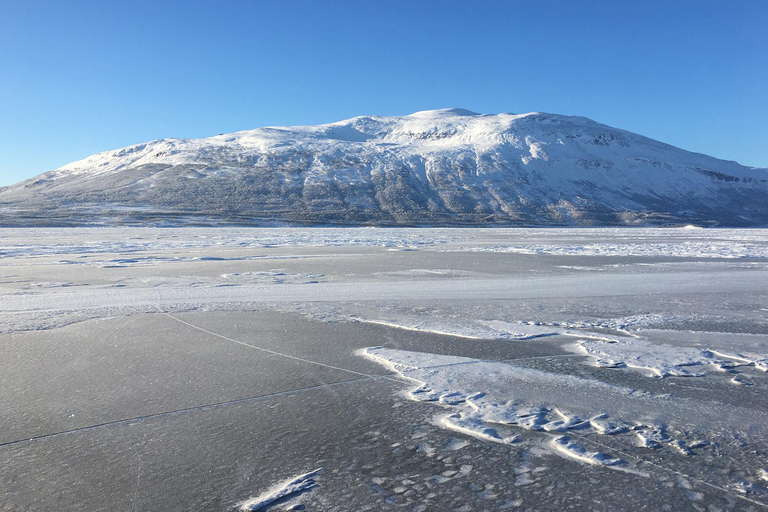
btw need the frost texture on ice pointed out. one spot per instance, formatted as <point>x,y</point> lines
<point>680,250</point>
<point>479,329</point>
<point>464,326</point>
<point>626,348</point>
<point>295,485</point>
<point>488,399</point>
<point>136,240</point>
<point>666,360</point>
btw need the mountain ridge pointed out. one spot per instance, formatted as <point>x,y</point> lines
<point>434,167</point>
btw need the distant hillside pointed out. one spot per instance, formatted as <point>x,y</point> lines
<point>439,167</point>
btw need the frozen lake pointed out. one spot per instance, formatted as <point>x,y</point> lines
<point>417,369</point>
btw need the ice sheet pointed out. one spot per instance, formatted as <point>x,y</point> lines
<point>655,308</point>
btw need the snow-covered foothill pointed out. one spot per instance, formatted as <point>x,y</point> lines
<point>449,167</point>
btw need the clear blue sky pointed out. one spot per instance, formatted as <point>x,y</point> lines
<point>78,77</point>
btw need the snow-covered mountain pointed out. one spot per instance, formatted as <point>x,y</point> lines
<point>434,167</point>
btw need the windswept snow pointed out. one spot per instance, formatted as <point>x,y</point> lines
<point>98,241</point>
<point>569,448</point>
<point>290,487</point>
<point>489,399</point>
<point>664,360</point>
<point>503,403</point>
<point>622,349</point>
<point>677,250</point>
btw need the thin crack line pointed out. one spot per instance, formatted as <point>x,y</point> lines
<point>193,409</point>
<point>137,486</point>
<point>273,352</point>
<point>541,357</point>
<point>476,361</point>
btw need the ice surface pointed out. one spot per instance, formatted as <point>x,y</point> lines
<point>623,349</point>
<point>93,241</point>
<point>664,360</point>
<point>500,349</point>
<point>679,250</point>
<point>488,397</point>
<point>478,329</point>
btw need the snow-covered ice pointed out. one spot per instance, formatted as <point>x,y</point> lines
<point>485,398</point>
<point>283,490</point>
<point>664,360</point>
<point>499,368</point>
<point>713,249</point>
<point>569,448</point>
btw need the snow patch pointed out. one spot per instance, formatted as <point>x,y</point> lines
<point>664,360</point>
<point>678,250</point>
<point>474,426</point>
<point>490,400</point>
<point>570,449</point>
<point>136,240</point>
<point>293,486</point>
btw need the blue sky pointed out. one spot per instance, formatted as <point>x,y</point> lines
<point>78,77</point>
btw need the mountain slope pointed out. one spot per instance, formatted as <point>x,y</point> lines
<point>434,167</point>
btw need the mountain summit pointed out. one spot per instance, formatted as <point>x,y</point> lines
<point>436,167</point>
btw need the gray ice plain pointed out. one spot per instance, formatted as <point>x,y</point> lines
<point>332,369</point>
